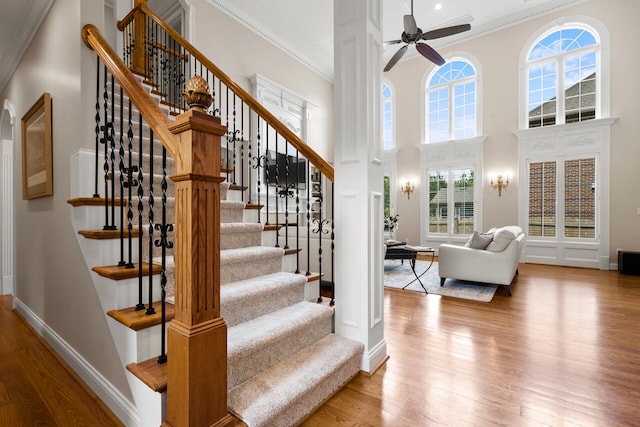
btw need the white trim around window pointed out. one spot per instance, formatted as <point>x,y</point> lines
<point>603,90</point>
<point>451,56</point>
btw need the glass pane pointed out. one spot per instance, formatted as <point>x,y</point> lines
<point>542,94</point>
<point>542,199</point>
<point>463,180</point>
<point>564,40</point>
<point>580,88</point>
<point>438,201</point>
<point>387,196</point>
<point>439,115</point>
<point>580,198</point>
<point>387,125</point>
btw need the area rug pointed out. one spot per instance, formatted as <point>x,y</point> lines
<point>398,274</point>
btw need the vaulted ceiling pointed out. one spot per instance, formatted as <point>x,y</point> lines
<point>305,28</point>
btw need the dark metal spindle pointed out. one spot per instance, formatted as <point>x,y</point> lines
<point>140,305</point>
<point>164,244</point>
<point>150,309</point>
<point>131,182</point>
<point>112,155</point>
<point>122,262</point>
<point>96,193</point>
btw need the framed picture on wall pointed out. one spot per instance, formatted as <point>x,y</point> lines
<point>37,163</point>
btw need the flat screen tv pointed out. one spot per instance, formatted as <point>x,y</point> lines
<point>275,172</point>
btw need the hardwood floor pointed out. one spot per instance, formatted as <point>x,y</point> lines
<point>563,350</point>
<point>36,386</point>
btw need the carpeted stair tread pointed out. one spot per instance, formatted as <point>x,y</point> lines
<point>257,344</point>
<point>291,389</point>
<point>247,299</point>
<point>238,235</point>
<point>244,263</point>
<point>231,211</point>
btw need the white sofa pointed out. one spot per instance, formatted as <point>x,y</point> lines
<point>491,257</point>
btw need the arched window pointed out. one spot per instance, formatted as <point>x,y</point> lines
<point>451,99</point>
<point>388,119</point>
<point>562,76</point>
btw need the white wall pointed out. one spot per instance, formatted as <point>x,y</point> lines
<point>498,54</point>
<point>241,53</point>
<point>51,278</point>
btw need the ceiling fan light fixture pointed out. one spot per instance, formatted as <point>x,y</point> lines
<point>413,35</point>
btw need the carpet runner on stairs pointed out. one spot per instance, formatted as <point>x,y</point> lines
<point>283,359</point>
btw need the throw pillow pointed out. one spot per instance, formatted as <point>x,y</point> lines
<point>479,241</point>
<point>501,240</point>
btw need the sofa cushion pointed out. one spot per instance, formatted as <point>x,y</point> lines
<point>479,241</point>
<point>502,238</point>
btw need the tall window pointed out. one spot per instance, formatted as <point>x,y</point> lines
<point>451,102</point>
<point>451,201</point>
<point>574,196</point>
<point>387,117</point>
<point>562,77</point>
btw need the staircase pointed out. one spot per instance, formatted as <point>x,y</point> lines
<point>283,359</point>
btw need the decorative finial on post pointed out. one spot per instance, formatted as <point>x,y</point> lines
<point>197,95</point>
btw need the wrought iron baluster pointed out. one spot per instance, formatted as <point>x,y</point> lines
<point>105,140</point>
<point>287,179</point>
<point>164,243</point>
<point>140,305</point>
<point>298,215</point>
<point>308,272</point>
<point>131,182</point>
<point>96,193</point>
<point>112,156</point>
<point>122,262</point>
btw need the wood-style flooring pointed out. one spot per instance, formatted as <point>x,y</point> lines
<point>564,350</point>
<point>37,388</point>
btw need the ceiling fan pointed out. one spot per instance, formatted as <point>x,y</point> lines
<point>413,34</point>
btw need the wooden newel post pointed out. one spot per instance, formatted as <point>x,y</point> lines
<point>197,337</point>
<point>139,53</point>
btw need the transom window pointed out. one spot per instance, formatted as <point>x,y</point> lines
<point>451,102</point>
<point>562,77</point>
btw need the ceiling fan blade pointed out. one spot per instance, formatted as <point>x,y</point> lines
<point>396,57</point>
<point>410,26</point>
<point>430,53</point>
<point>444,32</point>
<point>393,42</point>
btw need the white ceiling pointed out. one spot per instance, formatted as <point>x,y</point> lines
<point>304,28</point>
<point>19,21</point>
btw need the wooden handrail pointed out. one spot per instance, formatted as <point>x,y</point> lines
<point>323,166</point>
<point>155,117</point>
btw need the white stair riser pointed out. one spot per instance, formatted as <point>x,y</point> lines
<point>120,294</point>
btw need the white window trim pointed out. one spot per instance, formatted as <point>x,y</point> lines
<point>591,138</point>
<point>466,153</point>
<point>603,90</point>
<point>452,56</point>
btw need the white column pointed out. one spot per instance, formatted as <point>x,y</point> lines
<point>358,164</point>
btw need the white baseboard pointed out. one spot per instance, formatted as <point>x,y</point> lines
<point>111,397</point>
<point>373,359</point>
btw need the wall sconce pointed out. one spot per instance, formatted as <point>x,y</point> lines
<point>500,183</point>
<point>408,188</point>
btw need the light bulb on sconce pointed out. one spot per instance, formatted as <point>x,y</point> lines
<point>500,183</point>
<point>408,187</point>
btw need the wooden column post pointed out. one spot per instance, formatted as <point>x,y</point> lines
<point>197,337</point>
<point>139,53</point>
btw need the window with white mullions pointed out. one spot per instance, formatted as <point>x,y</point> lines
<point>451,102</point>
<point>451,201</point>
<point>580,198</point>
<point>567,59</point>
